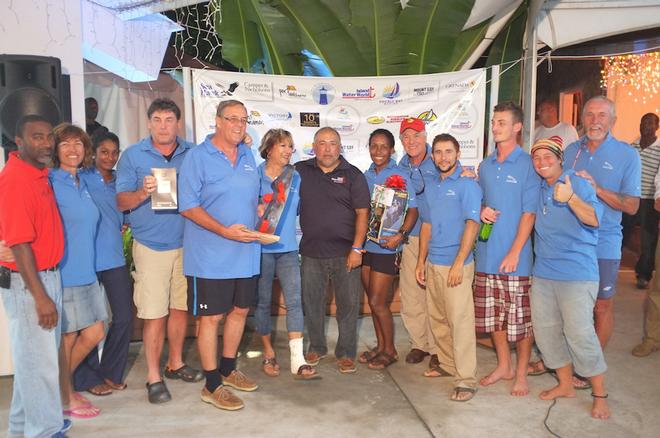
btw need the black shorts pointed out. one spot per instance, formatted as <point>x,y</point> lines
<point>207,297</point>
<point>384,263</point>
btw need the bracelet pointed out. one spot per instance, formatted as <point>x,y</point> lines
<point>570,197</point>
<point>358,250</point>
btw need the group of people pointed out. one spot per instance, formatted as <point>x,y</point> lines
<point>63,210</point>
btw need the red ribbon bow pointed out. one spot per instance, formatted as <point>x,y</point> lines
<point>396,182</point>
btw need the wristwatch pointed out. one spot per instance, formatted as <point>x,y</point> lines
<point>405,234</point>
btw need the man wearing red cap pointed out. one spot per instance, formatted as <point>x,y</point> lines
<point>418,161</point>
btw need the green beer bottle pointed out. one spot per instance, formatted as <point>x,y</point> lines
<point>484,231</point>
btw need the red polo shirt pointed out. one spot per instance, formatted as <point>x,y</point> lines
<point>28,212</point>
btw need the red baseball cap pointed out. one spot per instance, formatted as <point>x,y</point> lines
<point>412,123</point>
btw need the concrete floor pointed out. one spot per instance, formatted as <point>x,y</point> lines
<point>398,402</point>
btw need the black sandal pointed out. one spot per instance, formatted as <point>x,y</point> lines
<point>185,373</point>
<point>381,361</point>
<point>300,375</point>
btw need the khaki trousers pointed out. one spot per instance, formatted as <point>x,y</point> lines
<point>652,306</point>
<point>451,314</point>
<point>414,311</point>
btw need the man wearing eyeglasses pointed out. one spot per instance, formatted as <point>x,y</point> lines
<point>414,311</point>
<point>160,288</point>
<point>219,192</point>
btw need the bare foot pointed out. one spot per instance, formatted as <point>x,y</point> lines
<point>497,374</point>
<point>600,410</point>
<point>520,388</point>
<point>556,392</point>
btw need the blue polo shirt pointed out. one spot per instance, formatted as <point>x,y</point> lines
<point>614,166</point>
<point>379,178</point>
<point>451,202</point>
<point>109,244</point>
<point>160,230</point>
<point>286,227</point>
<point>80,218</point>
<point>565,248</point>
<point>512,187</point>
<point>419,175</point>
<point>229,193</point>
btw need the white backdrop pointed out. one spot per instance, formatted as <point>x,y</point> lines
<point>448,102</point>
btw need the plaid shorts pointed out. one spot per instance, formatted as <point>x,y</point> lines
<point>501,302</point>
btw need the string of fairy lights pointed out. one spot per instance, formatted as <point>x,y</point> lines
<point>639,73</point>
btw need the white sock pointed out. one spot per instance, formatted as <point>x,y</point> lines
<point>297,356</point>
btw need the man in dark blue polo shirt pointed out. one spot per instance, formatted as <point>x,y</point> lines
<point>334,208</point>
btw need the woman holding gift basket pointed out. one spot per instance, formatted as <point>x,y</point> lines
<point>393,214</point>
<point>280,185</point>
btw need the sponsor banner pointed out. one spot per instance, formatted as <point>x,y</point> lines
<point>447,102</point>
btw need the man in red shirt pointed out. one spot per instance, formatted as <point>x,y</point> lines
<point>31,288</point>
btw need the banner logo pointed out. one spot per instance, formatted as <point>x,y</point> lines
<point>310,120</point>
<point>344,119</point>
<point>360,94</point>
<point>258,91</point>
<point>323,94</point>
<point>392,91</point>
<point>292,91</point>
<point>216,89</point>
<point>428,116</point>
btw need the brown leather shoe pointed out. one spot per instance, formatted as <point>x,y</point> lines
<point>416,356</point>
<point>313,358</point>
<point>240,381</point>
<point>222,398</point>
<point>346,365</point>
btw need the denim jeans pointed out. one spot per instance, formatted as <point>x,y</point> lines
<point>36,407</point>
<point>91,372</point>
<point>562,314</point>
<point>286,265</point>
<point>316,273</point>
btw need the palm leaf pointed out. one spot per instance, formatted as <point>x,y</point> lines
<point>279,36</point>
<point>378,19</point>
<point>429,28</point>
<point>466,42</point>
<point>505,50</point>
<point>323,34</point>
<point>241,43</point>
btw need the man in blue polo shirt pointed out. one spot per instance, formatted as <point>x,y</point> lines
<point>160,288</point>
<point>418,162</point>
<point>504,262</point>
<point>614,169</point>
<point>219,193</point>
<point>449,227</point>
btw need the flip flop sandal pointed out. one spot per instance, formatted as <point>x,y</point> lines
<point>100,390</point>
<point>536,371</point>
<point>585,383</point>
<point>300,375</point>
<point>368,355</point>
<point>436,372</point>
<point>460,390</point>
<point>116,386</point>
<point>270,367</point>
<point>82,412</point>
<point>381,361</point>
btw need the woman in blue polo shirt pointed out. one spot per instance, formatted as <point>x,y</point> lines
<point>379,263</point>
<point>566,278</point>
<point>108,375</point>
<point>281,258</point>
<point>83,301</point>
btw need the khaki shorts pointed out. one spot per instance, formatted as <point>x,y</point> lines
<point>159,281</point>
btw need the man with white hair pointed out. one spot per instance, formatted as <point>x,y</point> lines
<point>614,170</point>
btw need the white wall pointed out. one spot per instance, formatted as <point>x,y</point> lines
<point>45,28</point>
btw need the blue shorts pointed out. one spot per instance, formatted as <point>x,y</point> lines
<point>608,270</point>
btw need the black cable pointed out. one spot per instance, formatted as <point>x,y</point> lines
<point>547,415</point>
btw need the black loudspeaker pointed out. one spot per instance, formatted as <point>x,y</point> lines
<point>31,85</point>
